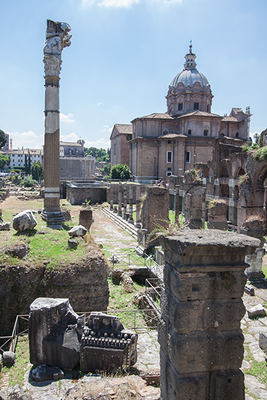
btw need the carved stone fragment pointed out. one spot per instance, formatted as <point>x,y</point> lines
<point>78,230</point>
<point>59,337</point>
<point>24,220</point>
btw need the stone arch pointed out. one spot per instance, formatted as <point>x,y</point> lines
<point>239,172</point>
<point>224,173</point>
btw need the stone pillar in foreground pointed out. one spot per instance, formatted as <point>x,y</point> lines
<point>120,199</point>
<point>125,201</point>
<point>138,206</point>
<point>199,333</point>
<point>130,219</point>
<point>57,37</point>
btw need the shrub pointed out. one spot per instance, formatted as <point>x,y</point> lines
<point>261,154</point>
<point>120,171</point>
<point>29,182</point>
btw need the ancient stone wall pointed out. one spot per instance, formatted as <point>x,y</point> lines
<point>85,285</point>
<point>78,195</point>
<point>155,209</point>
<point>199,333</point>
<point>113,192</point>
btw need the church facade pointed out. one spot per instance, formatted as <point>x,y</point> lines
<point>171,143</point>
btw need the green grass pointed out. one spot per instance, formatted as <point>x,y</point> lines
<point>264,270</point>
<point>46,245</point>
<point>257,369</point>
<point>17,372</point>
<point>119,300</point>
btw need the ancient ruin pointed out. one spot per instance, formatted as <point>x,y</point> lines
<point>199,334</point>
<point>59,337</point>
<point>57,37</point>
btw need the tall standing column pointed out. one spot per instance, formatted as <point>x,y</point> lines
<point>57,37</point>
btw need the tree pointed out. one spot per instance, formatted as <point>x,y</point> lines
<point>29,182</point>
<point>4,160</point>
<point>120,171</point>
<point>3,138</point>
<point>99,154</point>
<point>106,169</point>
<point>37,170</point>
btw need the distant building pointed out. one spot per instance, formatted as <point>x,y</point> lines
<point>120,136</point>
<point>72,149</point>
<point>17,156</point>
<point>73,164</point>
<point>171,143</point>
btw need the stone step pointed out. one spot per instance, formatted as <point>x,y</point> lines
<point>122,223</point>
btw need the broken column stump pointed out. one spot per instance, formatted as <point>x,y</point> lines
<point>86,218</point>
<point>199,333</point>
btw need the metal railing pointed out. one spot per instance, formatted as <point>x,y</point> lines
<point>19,329</point>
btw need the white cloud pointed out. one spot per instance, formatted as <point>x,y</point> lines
<point>117,3</point>
<point>72,137</point>
<point>99,104</point>
<point>110,3</point>
<point>26,140</point>
<point>125,3</point>
<point>66,118</point>
<point>101,143</point>
<point>172,1</point>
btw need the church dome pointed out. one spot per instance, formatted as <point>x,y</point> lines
<point>189,90</point>
<point>190,74</point>
<point>188,77</point>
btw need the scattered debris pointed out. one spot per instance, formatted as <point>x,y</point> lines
<point>77,230</point>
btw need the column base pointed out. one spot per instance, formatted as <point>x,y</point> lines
<point>54,219</point>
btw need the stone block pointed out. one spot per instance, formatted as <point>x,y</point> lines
<point>77,230</point>
<point>5,226</point>
<point>163,334</point>
<point>86,218</point>
<point>202,315</point>
<point>263,341</point>
<point>223,226</point>
<point>182,386</point>
<point>45,314</point>
<point>210,285</point>
<point>62,347</point>
<point>200,351</point>
<point>8,359</point>
<point>256,311</point>
<point>46,373</point>
<point>227,385</point>
<point>207,250</point>
<point>24,220</point>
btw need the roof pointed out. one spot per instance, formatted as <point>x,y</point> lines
<point>23,151</point>
<point>72,144</point>
<point>156,116</point>
<point>188,77</point>
<point>229,119</point>
<point>199,114</point>
<point>124,128</point>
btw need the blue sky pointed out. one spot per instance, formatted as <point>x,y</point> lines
<point>123,56</point>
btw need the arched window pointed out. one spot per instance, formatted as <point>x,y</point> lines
<point>237,134</point>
